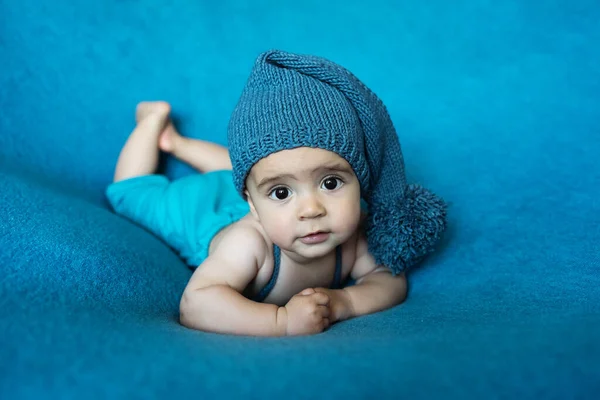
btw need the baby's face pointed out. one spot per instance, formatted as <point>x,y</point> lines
<point>299,192</point>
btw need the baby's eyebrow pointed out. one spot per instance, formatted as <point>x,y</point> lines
<point>336,167</point>
<point>267,180</point>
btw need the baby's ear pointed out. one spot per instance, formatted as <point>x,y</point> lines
<point>251,204</point>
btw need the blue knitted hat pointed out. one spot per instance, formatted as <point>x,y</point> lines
<point>292,101</point>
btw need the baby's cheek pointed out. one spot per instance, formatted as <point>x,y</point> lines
<point>279,231</point>
<point>348,215</point>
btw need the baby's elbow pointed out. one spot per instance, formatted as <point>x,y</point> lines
<point>394,287</point>
<point>185,309</point>
<point>190,312</point>
<point>401,288</point>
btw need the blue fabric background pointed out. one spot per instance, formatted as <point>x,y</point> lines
<point>497,108</point>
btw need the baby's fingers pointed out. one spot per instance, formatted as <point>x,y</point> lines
<point>321,298</point>
<point>323,311</point>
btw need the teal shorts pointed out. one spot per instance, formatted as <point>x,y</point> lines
<point>185,213</point>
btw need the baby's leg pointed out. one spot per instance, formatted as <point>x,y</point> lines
<point>202,155</point>
<point>139,155</point>
<point>156,131</point>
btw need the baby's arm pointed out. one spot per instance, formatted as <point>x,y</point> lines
<point>376,289</point>
<point>212,300</point>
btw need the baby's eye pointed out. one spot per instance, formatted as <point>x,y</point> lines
<point>331,183</point>
<point>279,193</point>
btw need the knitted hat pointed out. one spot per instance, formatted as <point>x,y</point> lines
<point>292,101</point>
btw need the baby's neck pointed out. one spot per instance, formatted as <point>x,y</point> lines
<point>305,262</point>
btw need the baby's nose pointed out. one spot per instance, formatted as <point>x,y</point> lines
<point>310,207</point>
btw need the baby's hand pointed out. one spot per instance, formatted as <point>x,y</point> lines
<point>340,306</point>
<point>307,313</point>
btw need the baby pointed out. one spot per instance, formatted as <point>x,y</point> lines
<point>274,227</point>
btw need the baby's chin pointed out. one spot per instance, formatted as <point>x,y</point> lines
<point>312,251</point>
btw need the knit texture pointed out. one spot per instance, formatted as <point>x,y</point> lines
<point>292,101</point>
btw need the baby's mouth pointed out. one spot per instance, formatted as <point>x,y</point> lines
<point>315,237</point>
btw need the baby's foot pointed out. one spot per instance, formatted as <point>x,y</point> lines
<point>146,108</point>
<point>168,137</point>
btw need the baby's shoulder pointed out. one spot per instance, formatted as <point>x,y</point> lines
<point>350,250</point>
<point>243,236</point>
<point>361,258</point>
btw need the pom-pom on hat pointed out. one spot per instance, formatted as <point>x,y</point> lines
<point>293,100</point>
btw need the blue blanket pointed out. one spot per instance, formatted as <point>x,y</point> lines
<point>496,106</point>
